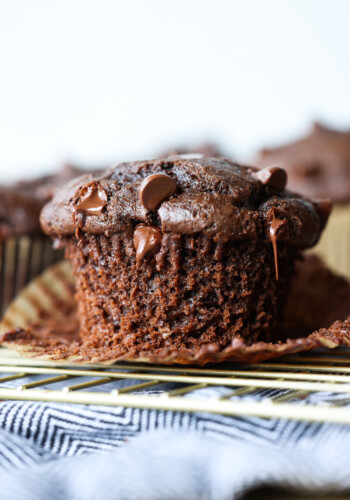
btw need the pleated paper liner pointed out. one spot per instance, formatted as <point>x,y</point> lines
<point>21,259</point>
<point>334,246</point>
<point>42,323</point>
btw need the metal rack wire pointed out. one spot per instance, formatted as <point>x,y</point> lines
<point>284,386</point>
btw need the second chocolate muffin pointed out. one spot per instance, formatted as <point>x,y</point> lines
<point>180,253</point>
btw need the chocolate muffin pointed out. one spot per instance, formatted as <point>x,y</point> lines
<point>25,250</point>
<point>177,253</point>
<point>318,165</point>
<point>21,203</point>
<point>19,213</point>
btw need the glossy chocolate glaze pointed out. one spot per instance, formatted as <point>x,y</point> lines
<point>215,196</point>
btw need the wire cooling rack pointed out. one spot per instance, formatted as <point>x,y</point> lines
<point>283,386</point>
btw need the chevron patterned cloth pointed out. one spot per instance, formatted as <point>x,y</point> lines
<point>58,452</point>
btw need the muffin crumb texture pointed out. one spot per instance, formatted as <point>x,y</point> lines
<point>185,296</point>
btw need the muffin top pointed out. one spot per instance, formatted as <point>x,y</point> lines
<point>318,165</point>
<point>21,203</point>
<point>213,196</point>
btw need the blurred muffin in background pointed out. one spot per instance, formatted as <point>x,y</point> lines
<point>318,166</point>
<point>25,250</point>
<point>43,188</point>
<point>208,149</point>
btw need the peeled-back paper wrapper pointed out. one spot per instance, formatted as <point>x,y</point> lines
<point>42,323</point>
<point>21,259</point>
<point>334,245</point>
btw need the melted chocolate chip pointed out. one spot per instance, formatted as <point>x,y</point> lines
<point>90,199</point>
<point>276,225</point>
<point>146,239</point>
<point>272,177</point>
<point>154,189</point>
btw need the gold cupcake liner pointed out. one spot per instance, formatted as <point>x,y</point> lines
<point>21,259</point>
<point>334,245</point>
<point>42,323</point>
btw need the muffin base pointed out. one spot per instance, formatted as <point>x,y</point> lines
<point>50,330</point>
<point>193,292</point>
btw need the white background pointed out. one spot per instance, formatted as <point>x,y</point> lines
<point>105,80</point>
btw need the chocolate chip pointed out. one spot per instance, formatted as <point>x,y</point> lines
<point>323,207</point>
<point>146,239</point>
<point>272,177</point>
<point>90,199</point>
<point>154,189</point>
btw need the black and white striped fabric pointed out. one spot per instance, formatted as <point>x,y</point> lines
<point>58,452</point>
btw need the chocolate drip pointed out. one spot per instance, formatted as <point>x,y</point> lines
<point>146,239</point>
<point>275,226</point>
